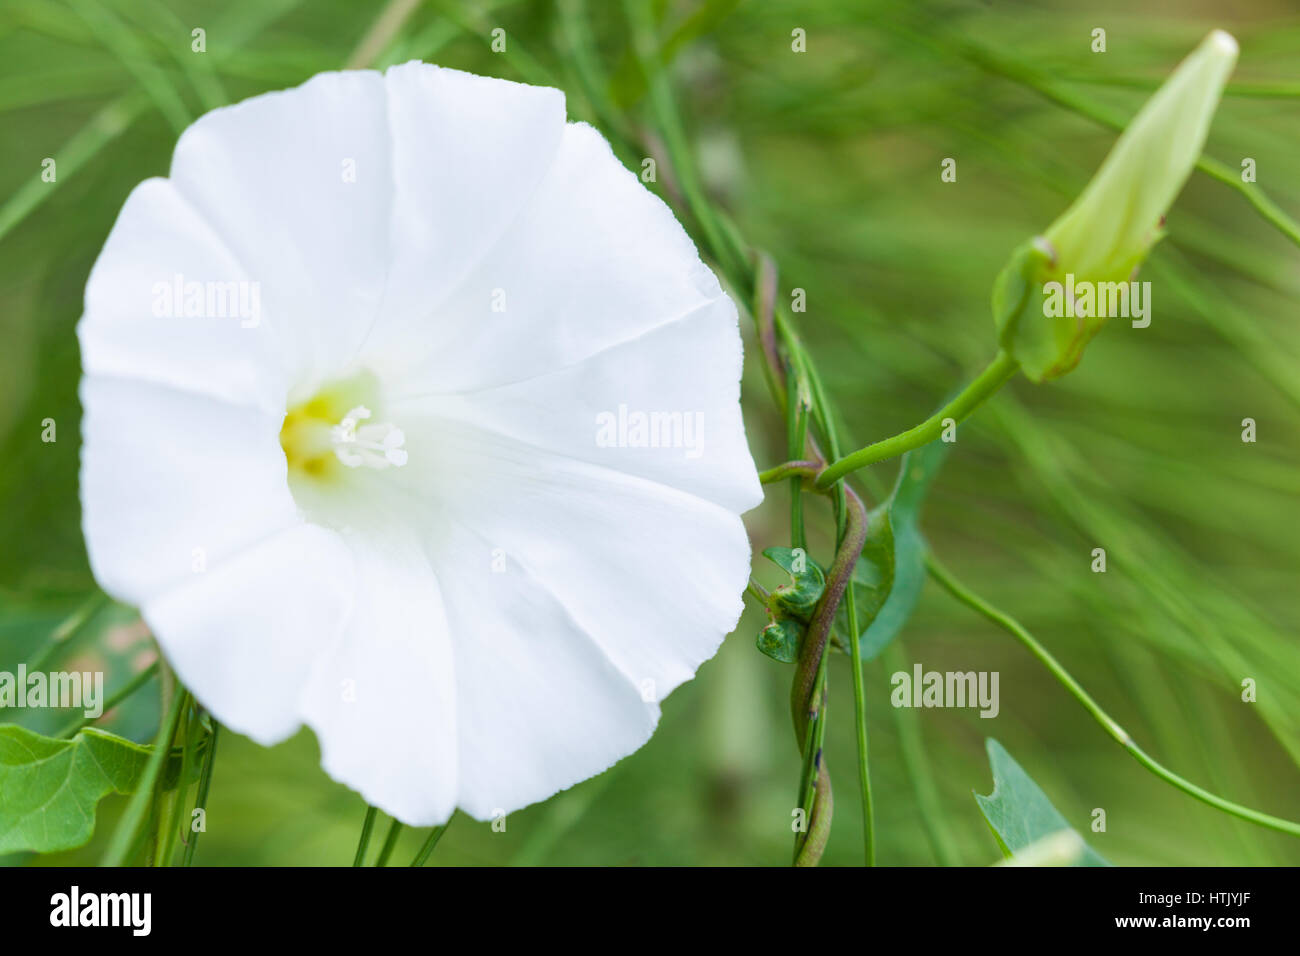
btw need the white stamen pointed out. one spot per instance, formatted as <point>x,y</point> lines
<point>374,446</point>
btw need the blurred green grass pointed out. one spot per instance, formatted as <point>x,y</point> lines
<point>830,161</point>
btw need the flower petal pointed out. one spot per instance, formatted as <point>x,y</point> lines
<point>170,480</point>
<point>681,382</point>
<point>382,698</point>
<point>594,259</point>
<point>653,576</point>
<point>468,152</point>
<point>135,323</point>
<point>299,184</point>
<point>243,635</point>
<point>539,708</point>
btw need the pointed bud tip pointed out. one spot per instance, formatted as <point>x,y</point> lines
<point>1224,43</point>
<point>1044,246</point>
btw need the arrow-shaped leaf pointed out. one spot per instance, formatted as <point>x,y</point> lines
<point>50,788</point>
<point>1019,812</point>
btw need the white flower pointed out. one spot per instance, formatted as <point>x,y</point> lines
<point>344,371</point>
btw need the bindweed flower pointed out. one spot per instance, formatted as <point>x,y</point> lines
<point>385,393</point>
<point>1109,230</point>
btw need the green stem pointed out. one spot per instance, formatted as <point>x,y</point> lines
<point>190,728</point>
<point>129,688</point>
<point>201,801</point>
<point>808,692</point>
<point>582,56</point>
<point>364,843</point>
<point>819,627</point>
<point>1118,733</point>
<point>138,806</point>
<point>814,785</point>
<point>790,469</point>
<point>998,372</point>
<point>860,718</point>
<point>765,288</point>
<point>382,32</point>
<point>640,17</point>
<point>798,437</point>
<point>73,626</point>
<point>917,764</point>
<point>815,794</point>
<point>390,841</point>
<point>426,851</point>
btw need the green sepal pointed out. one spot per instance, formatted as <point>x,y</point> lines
<point>1032,339</point>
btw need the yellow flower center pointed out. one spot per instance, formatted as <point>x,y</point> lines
<point>333,431</point>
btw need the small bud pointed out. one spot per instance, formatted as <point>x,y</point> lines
<point>790,606</point>
<point>807,582</point>
<point>1111,227</point>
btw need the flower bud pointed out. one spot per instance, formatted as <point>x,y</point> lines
<point>1113,224</point>
<point>791,605</point>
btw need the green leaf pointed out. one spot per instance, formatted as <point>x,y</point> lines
<point>1018,811</point>
<point>50,788</point>
<point>906,571</point>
